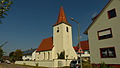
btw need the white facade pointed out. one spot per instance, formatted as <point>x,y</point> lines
<point>27,57</point>
<point>44,55</point>
<point>101,23</point>
<point>86,54</point>
<point>34,55</point>
<point>62,41</point>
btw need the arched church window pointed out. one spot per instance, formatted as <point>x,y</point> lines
<point>39,52</point>
<point>67,29</point>
<point>57,29</point>
<point>44,55</point>
<point>48,55</point>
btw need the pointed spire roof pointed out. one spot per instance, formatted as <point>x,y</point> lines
<point>62,18</point>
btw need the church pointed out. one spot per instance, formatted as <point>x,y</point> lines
<point>61,43</point>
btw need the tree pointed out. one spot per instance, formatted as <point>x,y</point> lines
<point>1,53</point>
<point>11,55</point>
<point>18,55</point>
<point>4,7</point>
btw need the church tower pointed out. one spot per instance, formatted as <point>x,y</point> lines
<point>62,37</point>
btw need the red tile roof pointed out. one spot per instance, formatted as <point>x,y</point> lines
<point>61,18</point>
<point>84,46</point>
<point>96,17</point>
<point>46,44</point>
<point>5,57</point>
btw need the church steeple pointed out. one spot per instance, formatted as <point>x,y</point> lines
<point>62,18</point>
<point>62,37</point>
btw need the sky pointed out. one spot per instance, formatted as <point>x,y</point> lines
<point>30,21</point>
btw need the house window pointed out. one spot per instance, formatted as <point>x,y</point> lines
<point>107,52</point>
<point>67,29</point>
<point>111,13</point>
<point>105,34</point>
<point>57,29</point>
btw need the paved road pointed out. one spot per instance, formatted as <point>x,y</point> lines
<point>3,65</point>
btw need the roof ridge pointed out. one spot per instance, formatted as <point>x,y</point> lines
<point>95,18</point>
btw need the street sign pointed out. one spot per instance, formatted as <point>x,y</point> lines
<point>80,51</point>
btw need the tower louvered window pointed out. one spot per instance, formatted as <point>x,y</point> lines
<point>67,29</point>
<point>57,29</point>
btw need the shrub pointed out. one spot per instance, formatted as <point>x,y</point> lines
<point>86,64</point>
<point>61,55</point>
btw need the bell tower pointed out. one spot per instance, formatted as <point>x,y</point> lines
<point>62,37</point>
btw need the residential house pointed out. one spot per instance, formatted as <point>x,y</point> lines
<point>104,35</point>
<point>27,55</point>
<point>85,54</point>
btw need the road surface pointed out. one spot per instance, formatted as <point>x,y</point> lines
<point>4,65</point>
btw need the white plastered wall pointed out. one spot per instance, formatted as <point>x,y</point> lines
<point>43,55</point>
<point>103,23</point>
<point>33,55</point>
<point>62,41</point>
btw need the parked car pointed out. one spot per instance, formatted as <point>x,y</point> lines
<point>7,61</point>
<point>75,64</point>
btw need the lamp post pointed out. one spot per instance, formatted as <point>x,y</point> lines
<point>78,39</point>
